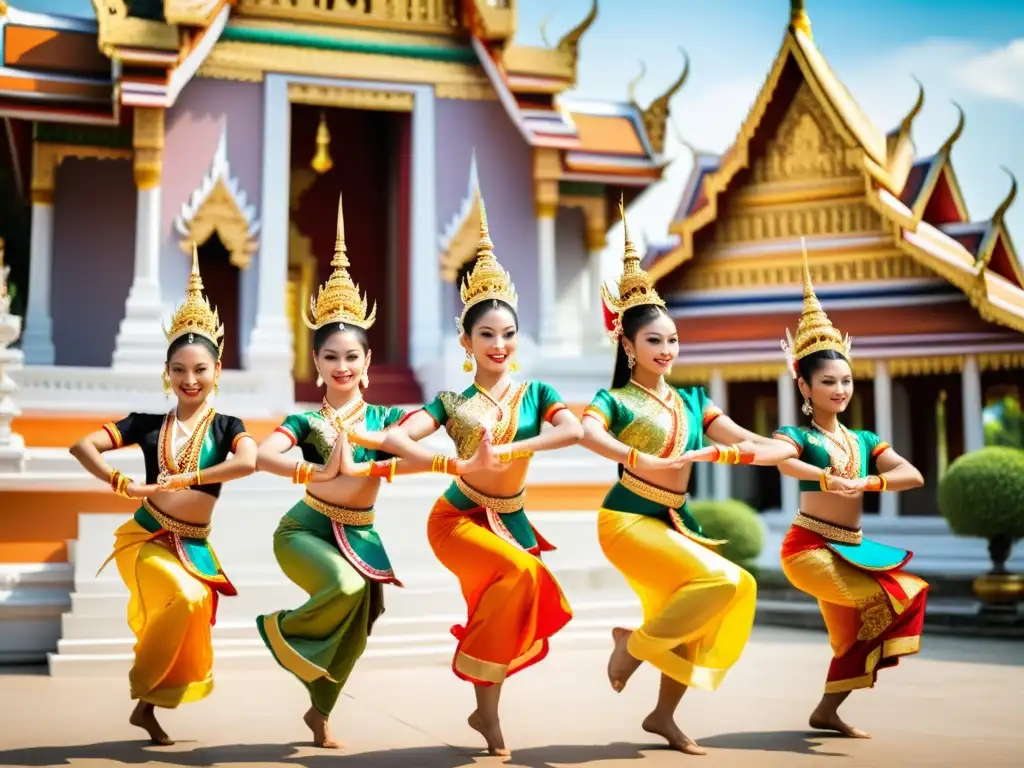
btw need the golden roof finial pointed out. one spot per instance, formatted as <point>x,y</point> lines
<point>814,331</point>
<point>570,41</point>
<point>656,114</point>
<point>488,280</point>
<point>338,300</point>
<point>915,110</point>
<point>636,289</point>
<point>947,146</point>
<point>195,317</point>
<point>635,82</point>
<point>798,18</point>
<point>1000,212</point>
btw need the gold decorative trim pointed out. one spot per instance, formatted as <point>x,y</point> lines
<point>342,515</point>
<point>378,100</point>
<point>220,213</point>
<point>645,490</point>
<point>482,91</point>
<point>219,72</point>
<point>148,143</point>
<point>828,531</point>
<point>499,504</point>
<point>168,523</point>
<point>436,16</point>
<point>46,158</point>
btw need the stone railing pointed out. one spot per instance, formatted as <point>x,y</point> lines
<point>407,15</point>
<point>12,447</point>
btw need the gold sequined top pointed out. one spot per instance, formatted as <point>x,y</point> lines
<point>849,453</point>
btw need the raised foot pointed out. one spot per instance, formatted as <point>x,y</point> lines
<point>621,665</point>
<point>491,731</point>
<point>317,723</point>
<point>830,721</point>
<point>143,717</point>
<point>668,730</point>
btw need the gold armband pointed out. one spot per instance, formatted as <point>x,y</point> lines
<point>447,465</point>
<point>303,473</point>
<point>119,483</point>
<point>631,458</point>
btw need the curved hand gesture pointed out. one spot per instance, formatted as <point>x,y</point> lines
<point>484,459</point>
<point>845,486</point>
<point>341,461</point>
<point>168,482</point>
<point>141,490</point>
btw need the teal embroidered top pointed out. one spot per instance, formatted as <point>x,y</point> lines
<point>850,453</point>
<point>517,415</point>
<point>315,432</point>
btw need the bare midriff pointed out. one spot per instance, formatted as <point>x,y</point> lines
<point>675,480</point>
<point>346,491</point>
<point>844,511</point>
<point>506,483</point>
<point>187,506</point>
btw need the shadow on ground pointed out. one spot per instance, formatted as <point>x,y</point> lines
<point>795,742</point>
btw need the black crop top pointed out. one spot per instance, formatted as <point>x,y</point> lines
<point>214,437</point>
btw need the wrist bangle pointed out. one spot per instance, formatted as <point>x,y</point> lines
<point>632,457</point>
<point>823,480</point>
<point>884,484</point>
<point>391,474</point>
<point>445,465</point>
<point>121,485</point>
<point>199,477</point>
<point>114,479</point>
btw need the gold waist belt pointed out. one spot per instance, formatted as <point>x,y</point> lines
<point>829,531</point>
<point>500,504</point>
<point>645,490</point>
<point>185,530</point>
<point>338,514</point>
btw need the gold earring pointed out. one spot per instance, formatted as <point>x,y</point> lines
<point>514,365</point>
<point>167,384</point>
<point>365,379</point>
<point>807,408</point>
<point>216,388</point>
<point>630,361</point>
<point>319,379</point>
<point>467,364</point>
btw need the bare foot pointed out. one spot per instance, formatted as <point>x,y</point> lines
<point>668,730</point>
<point>491,733</point>
<point>144,717</point>
<point>317,723</point>
<point>830,721</point>
<point>621,665</point>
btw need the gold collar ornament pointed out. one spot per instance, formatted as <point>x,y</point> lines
<point>815,331</point>
<point>488,280</point>
<point>195,317</point>
<point>636,289</point>
<point>338,300</point>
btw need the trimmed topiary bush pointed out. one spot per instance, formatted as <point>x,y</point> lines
<point>982,495</point>
<point>734,521</point>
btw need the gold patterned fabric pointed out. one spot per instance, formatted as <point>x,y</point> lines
<point>827,530</point>
<point>468,418</point>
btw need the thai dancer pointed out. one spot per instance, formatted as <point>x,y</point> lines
<point>163,553</point>
<point>327,543</point>
<point>479,529</point>
<point>873,609</point>
<point>698,607</point>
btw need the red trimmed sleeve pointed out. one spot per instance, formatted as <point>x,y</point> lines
<point>879,449</point>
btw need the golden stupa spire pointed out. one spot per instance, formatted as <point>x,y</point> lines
<point>488,280</point>
<point>636,288</point>
<point>814,331</point>
<point>798,18</point>
<point>338,300</point>
<point>195,317</point>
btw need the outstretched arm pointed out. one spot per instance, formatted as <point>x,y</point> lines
<point>895,473</point>
<point>270,458</point>
<point>242,463</point>
<point>89,453</point>
<point>401,440</point>
<point>565,430</point>
<point>752,448</point>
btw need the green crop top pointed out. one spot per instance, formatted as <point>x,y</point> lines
<point>315,432</point>
<point>852,454</point>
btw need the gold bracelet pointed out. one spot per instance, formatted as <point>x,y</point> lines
<point>199,477</point>
<point>632,457</point>
<point>823,480</point>
<point>884,482</point>
<point>123,481</point>
<point>391,473</point>
<point>735,453</point>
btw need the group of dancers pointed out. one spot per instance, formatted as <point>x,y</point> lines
<point>698,607</point>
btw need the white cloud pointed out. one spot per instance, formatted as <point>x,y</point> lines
<point>997,74</point>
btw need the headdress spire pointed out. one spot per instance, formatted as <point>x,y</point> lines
<point>195,316</point>
<point>814,331</point>
<point>488,280</point>
<point>338,300</point>
<point>636,288</point>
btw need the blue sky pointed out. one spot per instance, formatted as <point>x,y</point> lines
<point>970,52</point>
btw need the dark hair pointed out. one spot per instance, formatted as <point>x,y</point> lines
<point>474,313</point>
<point>183,341</point>
<point>321,335</point>
<point>806,366</point>
<point>633,319</point>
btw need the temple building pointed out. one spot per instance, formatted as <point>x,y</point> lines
<point>134,128</point>
<point>933,300</point>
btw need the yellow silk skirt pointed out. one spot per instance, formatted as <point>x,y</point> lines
<point>169,612</point>
<point>698,607</point>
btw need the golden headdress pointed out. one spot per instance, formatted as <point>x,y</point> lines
<point>338,300</point>
<point>636,288</point>
<point>195,317</point>
<point>488,280</point>
<point>815,331</point>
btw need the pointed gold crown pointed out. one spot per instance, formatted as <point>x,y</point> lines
<point>815,331</point>
<point>338,300</point>
<point>488,280</point>
<point>636,288</point>
<point>195,317</point>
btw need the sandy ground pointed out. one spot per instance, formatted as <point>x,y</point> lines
<point>956,704</point>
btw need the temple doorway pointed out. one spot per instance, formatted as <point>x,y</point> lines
<point>222,281</point>
<point>369,165</point>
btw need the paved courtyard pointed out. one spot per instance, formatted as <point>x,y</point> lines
<point>956,704</point>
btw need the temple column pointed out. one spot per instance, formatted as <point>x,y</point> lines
<point>37,340</point>
<point>788,417</point>
<point>270,348</point>
<point>889,504</point>
<point>140,343</point>
<point>546,169</point>
<point>596,239</point>
<point>974,429</point>
<point>719,393</point>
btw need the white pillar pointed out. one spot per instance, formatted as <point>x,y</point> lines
<point>889,504</point>
<point>546,299</point>
<point>270,345</point>
<point>427,321</point>
<point>140,343</point>
<point>12,445</point>
<point>594,336</point>
<point>37,341</point>
<point>788,417</point>
<point>974,430</point>
<point>719,394</point>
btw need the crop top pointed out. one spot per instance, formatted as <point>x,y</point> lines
<point>213,438</point>
<point>637,417</point>
<point>851,454</point>
<point>517,415</point>
<point>315,432</point>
